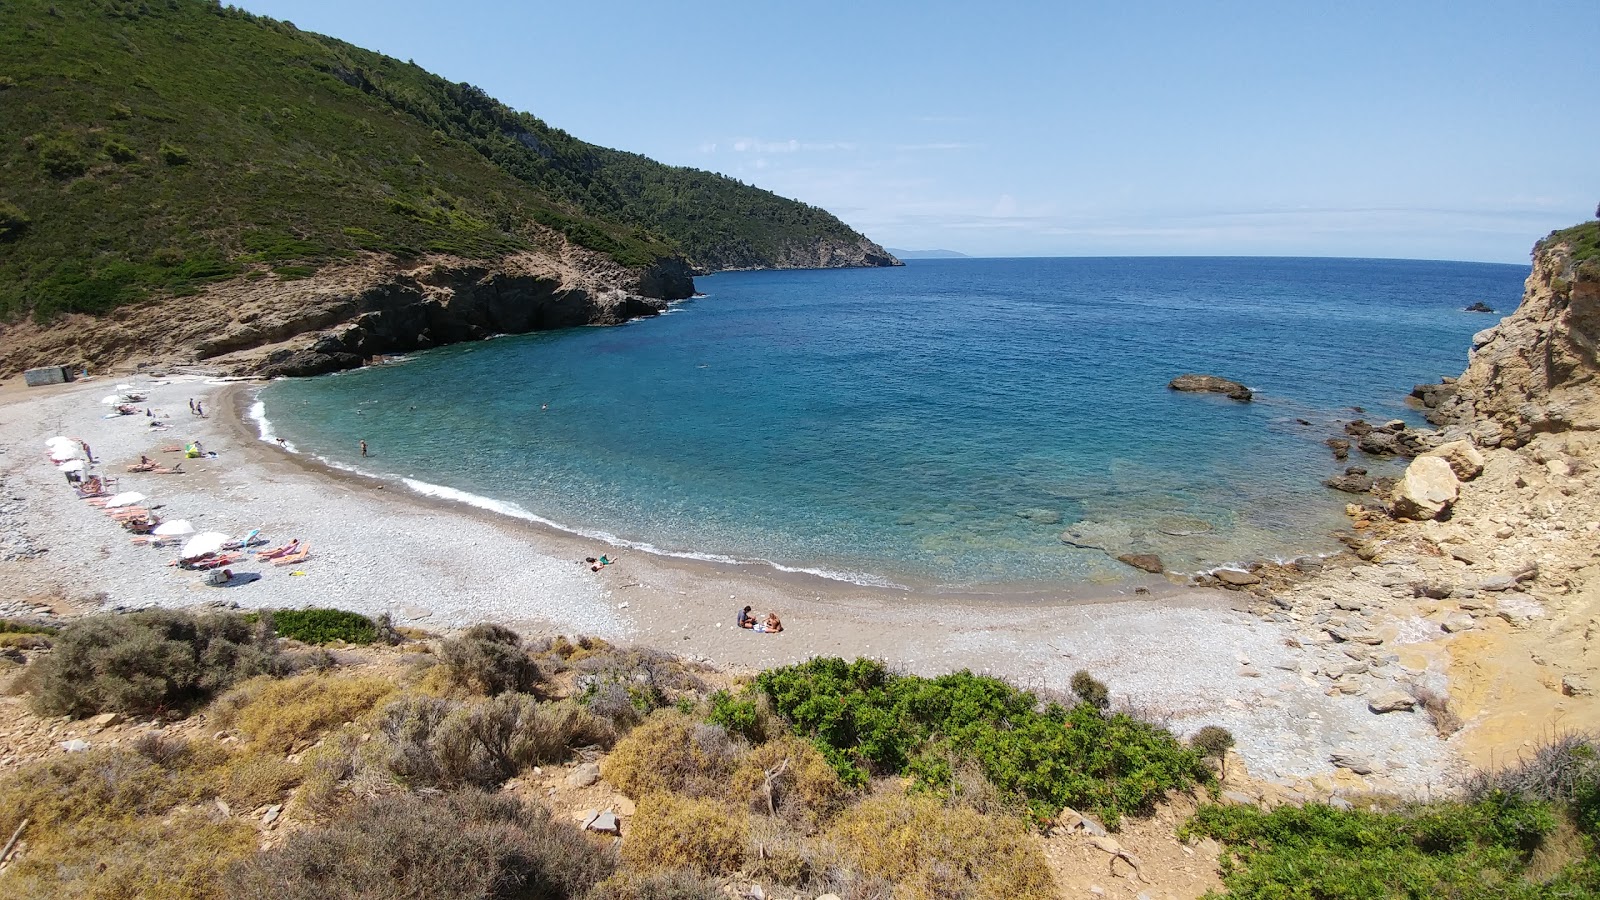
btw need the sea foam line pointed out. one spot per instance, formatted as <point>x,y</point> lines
<point>512,510</point>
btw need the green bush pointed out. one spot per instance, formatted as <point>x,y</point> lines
<point>1465,850</point>
<point>739,717</point>
<point>147,662</point>
<point>62,159</point>
<point>1091,690</point>
<point>1564,771</point>
<point>173,155</point>
<point>323,626</point>
<point>12,626</point>
<point>117,151</point>
<point>13,221</point>
<point>462,844</point>
<point>866,720</point>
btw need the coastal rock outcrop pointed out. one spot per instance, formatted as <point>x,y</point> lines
<point>1534,372</point>
<point>1192,383</point>
<point>812,253</point>
<point>1464,459</point>
<point>346,314</point>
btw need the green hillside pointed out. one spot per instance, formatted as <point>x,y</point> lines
<point>154,146</point>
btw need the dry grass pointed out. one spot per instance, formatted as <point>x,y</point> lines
<point>488,660</point>
<point>279,715</point>
<point>674,885</point>
<point>674,832</point>
<point>804,788</point>
<point>1437,706</point>
<point>932,851</point>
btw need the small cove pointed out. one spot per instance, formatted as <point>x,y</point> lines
<point>936,426</point>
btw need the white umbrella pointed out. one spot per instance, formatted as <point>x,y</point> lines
<point>60,440</point>
<point>73,465</point>
<point>126,498</point>
<point>114,398</point>
<point>173,528</point>
<point>203,543</point>
<point>64,452</point>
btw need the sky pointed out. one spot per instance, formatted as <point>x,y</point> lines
<point>1410,129</point>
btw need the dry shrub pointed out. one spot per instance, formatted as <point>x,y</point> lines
<point>625,684</point>
<point>461,844</point>
<point>932,851</point>
<point>1564,769</point>
<point>430,741</point>
<point>25,641</point>
<point>489,659</point>
<point>278,715</point>
<point>675,832</point>
<point>150,777</point>
<point>678,884</point>
<point>251,778</point>
<point>673,753</point>
<point>145,662</point>
<point>1437,706</point>
<point>807,790</point>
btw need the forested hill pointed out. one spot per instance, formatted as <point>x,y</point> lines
<point>150,147</point>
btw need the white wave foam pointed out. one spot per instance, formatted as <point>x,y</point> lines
<point>512,510</point>
<point>258,413</point>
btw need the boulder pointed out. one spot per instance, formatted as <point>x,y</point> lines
<point>1339,446</point>
<point>1428,488</point>
<point>1353,761</point>
<point>1380,443</point>
<point>584,775</point>
<point>1575,686</point>
<point>1210,384</point>
<point>1457,622</point>
<point>1480,307</point>
<point>1464,459</point>
<point>1353,481</point>
<point>1236,577</point>
<point>1146,561</point>
<point>1391,701</point>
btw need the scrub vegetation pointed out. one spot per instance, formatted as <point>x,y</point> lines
<point>413,771</point>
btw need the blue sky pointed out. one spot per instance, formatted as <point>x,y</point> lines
<point>1431,130</point>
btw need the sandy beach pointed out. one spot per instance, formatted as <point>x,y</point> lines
<point>1189,657</point>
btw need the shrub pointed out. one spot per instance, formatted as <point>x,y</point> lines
<point>931,851</point>
<point>117,151</point>
<point>13,221</point>
<point>61,158</point>
<point>1213,742</point>
<point>172,154</point>
<point>646,677</point>
<point>437,742</point>
<point>738,717</point>
<point>1437,706</point>
<point>1091,690</point>
<point>324,626</point>
<point>12,626</point>
<point>1564,771</point>
<point>1477,849</point>
<point>278,715</point>
<point>489,660</point>
<point>789,777</point>
<point>462,844</point>
<point>146,662</point>
<point>671,752</point>
<point>866,720</point>
<point>674,832</point>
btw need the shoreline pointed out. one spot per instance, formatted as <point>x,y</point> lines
<point>1186,656</point>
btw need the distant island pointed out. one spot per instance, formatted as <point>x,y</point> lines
<point>926,254</point>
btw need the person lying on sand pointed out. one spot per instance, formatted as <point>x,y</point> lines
<point>291,547</point>
<point>596,565</point>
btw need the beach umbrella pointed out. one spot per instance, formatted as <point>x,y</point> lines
<point>126,498</point>
<point>113,399</point>
<point>60,440</point>
<point>73,465</point>
<point>173,528</point>
<point>203,543</point>
<point>64,452</point>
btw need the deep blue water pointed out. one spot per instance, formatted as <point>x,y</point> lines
<point>927,425</point>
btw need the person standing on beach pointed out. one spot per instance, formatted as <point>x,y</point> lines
<point>200,408</point>
<point>191,406</point>
<point>363,448</point>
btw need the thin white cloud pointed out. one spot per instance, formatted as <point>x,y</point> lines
<point>937,147</point>
<point>755,145</point>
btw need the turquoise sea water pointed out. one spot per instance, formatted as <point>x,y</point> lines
<point>935,426</point>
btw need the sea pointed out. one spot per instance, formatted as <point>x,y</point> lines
<point>936,427</point>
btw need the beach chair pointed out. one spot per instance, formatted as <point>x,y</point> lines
<point>292,558</point>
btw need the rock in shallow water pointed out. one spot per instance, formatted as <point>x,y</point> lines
<point>1210,384</point>
<point>1146,561</point>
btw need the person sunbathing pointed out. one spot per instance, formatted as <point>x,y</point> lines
<point>773,624</point>
<point>292,547</point>
<point>144,464</point>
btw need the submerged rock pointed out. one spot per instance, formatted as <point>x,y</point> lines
<point>1146,561</point>
<point>1480,306</point>
<point>1210,384</point>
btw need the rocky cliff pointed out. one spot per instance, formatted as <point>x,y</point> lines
<point>349,313</point>
<point>816,253</point>
<point>1535,371</point>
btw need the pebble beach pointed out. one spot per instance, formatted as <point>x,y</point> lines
<point>1187,657</point>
